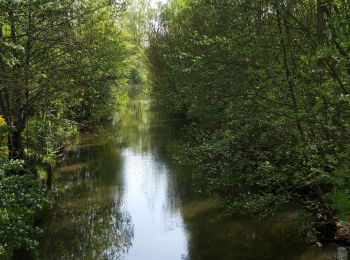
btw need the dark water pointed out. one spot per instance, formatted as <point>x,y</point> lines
<point>125,198</point>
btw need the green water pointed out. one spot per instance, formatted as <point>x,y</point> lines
<point>125,198</point>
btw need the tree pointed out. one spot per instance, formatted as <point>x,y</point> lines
<point>266,84</point>
<point>41,44</point>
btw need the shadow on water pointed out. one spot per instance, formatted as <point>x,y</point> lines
<point>126,199</point>
<point>88,221</point>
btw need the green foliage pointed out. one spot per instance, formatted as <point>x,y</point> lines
<point>48,138</point>
<point>22,198</point>
<point>135,26</point>
<point>12,167</point>
<point>340,202</point>
<point>4,131</point>
<point>59,62</point>
<point>266,85</point>
<point>97,69</point>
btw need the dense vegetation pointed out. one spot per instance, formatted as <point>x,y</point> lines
<point>22,200</point>
<point>62,65</point>
<point>60,60</point>
<point>265,84</point>
<point>263,87</point>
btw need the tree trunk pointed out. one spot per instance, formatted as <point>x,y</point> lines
<point>15,145</point>
<point>321,12</point>
<point>285,43</point>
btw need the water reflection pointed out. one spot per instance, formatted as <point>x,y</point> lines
<point>121,203</point>
<point>127,199</point>
<point>159,228</point>
<point>149,192</point>
<point>342,253</point>
<point>89,222</point>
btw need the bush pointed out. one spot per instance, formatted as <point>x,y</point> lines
<point>47,139</point>
<point>22,198</point>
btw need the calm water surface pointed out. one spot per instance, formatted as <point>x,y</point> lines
<point>125,198</point>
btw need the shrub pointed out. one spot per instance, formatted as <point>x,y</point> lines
<point>22,198</point>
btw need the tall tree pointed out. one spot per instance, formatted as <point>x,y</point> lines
<point>41,44</point>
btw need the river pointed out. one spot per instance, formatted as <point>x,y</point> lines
<point>121,196</point>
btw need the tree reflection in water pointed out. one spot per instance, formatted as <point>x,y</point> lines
<point>88,221</point>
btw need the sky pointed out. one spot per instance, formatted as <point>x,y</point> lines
<point>154,3</point>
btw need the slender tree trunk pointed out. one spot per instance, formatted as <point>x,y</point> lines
<point>15,145</point>
<point>18,114</point>
<point>321,12</point>
<point>290,83</point>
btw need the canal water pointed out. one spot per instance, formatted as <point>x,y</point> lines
<point>122,196</point>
